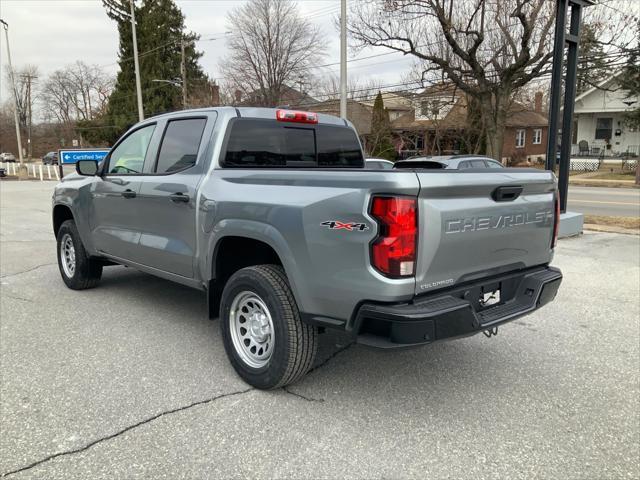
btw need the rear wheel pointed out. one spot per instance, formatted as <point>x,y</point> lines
<point>78,270</point>
<point>265,340</point>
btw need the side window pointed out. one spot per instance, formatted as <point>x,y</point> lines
<point>180,144</point>
<point>493,164</point>
<point>128,157</point>
<point>464,165</point>
<point>478,164</point>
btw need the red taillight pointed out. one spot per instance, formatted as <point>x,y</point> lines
<point>393,253</point>
<point>295,116</point>
<point>556,221</point>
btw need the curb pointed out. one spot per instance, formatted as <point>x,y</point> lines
<point>602,183</point>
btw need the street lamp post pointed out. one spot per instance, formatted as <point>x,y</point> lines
<point>5,25</point>
<point>343,59</point>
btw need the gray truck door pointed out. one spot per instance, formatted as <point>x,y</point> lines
<point>113,219</point>
<point>166,205</point>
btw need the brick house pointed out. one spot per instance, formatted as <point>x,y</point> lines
<point>437,125</point>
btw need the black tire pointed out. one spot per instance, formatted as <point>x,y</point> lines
<point>295,343</point>
<point>87,271</point>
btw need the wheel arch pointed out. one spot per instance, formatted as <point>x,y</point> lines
<point>61,213</point>
<point>243,245</point>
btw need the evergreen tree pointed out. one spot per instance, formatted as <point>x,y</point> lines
<point>381,141</point>
<point>160,29</point>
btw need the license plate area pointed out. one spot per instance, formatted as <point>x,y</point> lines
<point>490,295</point>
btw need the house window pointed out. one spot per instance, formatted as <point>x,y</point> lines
<point>520,136</point>
<point>537,136</point>
<point>604,127</point>
<point>430,108</point>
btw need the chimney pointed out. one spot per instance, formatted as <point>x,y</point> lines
<point>538,102</point>
<point>215,95</point>
<point>238,96</point>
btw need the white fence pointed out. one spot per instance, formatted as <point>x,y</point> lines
<point>34,170</point>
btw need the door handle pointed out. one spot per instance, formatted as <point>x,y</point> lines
<point>179,197</point>
<point>128,193</point>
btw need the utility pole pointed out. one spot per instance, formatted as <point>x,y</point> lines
<point>183,72</point>
<point>135,61</point>
<point>5,25</point>
<point>29,77</point>
<point>343,58</point>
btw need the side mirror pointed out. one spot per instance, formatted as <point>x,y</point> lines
<point>87,168</point>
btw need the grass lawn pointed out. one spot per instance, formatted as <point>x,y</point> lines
<point>615,175</point>
<point>632,223</point>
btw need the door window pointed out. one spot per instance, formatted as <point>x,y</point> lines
<point>180,145</point>
<point>128,156</point>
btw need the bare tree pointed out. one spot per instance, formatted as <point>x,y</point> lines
<point>488,49</point>
<point>328,88</point>
<point>272,45</point>
<point>76,92</point>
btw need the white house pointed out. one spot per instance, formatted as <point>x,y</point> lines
<point>599,121</point>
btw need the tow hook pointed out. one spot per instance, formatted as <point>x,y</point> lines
<point>491,332</point>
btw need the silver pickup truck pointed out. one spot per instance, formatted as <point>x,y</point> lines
<point>272,214</point>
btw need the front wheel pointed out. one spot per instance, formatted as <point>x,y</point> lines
<point>265,340</point>
<point>78,270</point>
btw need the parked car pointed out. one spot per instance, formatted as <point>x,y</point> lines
<point>449,162</point>
<point>378,164</point>
<point>272,214</point>
<point>50,158</point>
<point>3,172</point>
<point>7,157</point>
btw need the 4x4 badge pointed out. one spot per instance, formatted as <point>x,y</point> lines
<point>336,225</point>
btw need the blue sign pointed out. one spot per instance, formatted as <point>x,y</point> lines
<point>72,156</point>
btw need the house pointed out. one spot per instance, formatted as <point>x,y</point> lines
<point>438,125</point>
<point>599,127</point>
<point>396,103</point>
<point>357,113</point>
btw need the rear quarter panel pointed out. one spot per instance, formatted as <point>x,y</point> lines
<point>329,269</point>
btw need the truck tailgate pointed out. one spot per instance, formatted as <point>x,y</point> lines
<point>471,226</point>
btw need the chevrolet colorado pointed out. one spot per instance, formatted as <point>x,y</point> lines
<point>272,214</point>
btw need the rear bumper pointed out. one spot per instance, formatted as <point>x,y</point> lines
<point>455,312</point>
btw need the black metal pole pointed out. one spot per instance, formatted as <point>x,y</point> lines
<point>556,83</point>
<point>569,101</point>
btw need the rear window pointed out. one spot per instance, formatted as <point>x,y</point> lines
<point>267,143</point>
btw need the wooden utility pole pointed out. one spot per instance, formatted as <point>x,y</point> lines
<point>29,77</point>
<point>183,72</point>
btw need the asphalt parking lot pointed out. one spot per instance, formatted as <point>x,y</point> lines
<point>130,380</point>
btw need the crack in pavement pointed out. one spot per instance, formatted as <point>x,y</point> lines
<point>169,412</point>
<point>124,430</point>
<point>7,275</point>
<point>5,295</point>
<point>320,365</point>
<point>331,357</point>
<point>299,395</point>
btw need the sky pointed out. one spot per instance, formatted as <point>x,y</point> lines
<point>54,33</point>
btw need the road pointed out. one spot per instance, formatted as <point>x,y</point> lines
<point>130,380</point>
<point>618,202</point>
